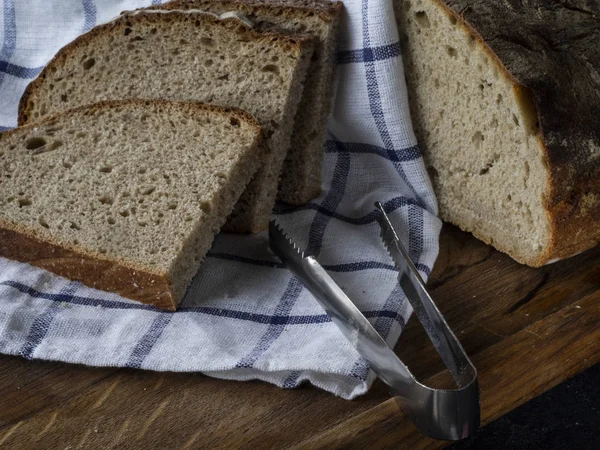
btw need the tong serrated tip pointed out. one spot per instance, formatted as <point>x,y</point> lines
<point>280,241</point>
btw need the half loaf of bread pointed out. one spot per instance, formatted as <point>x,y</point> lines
<point>302,170</point>
<point>125,196</point>
<point>181,55</point>
<point>505,97</point>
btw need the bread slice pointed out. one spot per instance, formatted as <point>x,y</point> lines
<point>303,167</point>
<point>125,196</point>
<point>190,55</point>
<point>505,98</point>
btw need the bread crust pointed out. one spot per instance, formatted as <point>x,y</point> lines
<point>550,51</point>
<point>297,42</point>
<point>95,270</point>
<point>326,10</point>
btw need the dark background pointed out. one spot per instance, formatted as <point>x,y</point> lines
<point>566,417</point>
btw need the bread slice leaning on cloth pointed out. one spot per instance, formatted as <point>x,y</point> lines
<point>125,196</point>
<point>505,98</point>
<point>183,55</point>
<point>302,170</point>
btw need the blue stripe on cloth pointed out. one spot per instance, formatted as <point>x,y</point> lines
<point>291,294</point>
<point>330,203</point>
<point>394,302</point>
<point>370,54</point>
<point>89,10</point>
<point>41,324</point>
<point>376,106</point>
<point>146,344</point>
<point>19,71</point>
<point>405,154</point>
<point>10,35</point>
<point>219,312</point>
<point>389,206</point>
<point>347,267</point>
<point>383,325</point>
<point>4,128</point>
<point>315,240</point>
<point>156,2</point>
<point>291,382</point>
<point>415,233</point>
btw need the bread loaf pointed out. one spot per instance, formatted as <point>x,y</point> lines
<point>183,55</point>
<point>125,196</point>
<point>303,167</point>
<point>505,98</point>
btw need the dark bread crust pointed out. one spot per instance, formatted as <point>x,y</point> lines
<point>94,270</point>
<point>297,42</point>
<point>112,276</point>
<point>551,51</point>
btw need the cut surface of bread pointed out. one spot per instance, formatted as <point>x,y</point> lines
<point>125,196</point>
<point>302,170</point>
<point>189,55</point>
<point>502,165</point>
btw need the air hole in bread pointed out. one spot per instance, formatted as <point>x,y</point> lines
<point>111,221</point>
<point>422,19</point>
<point>207,41</point>
<point>105,169</point>
<point>205,206</point>
<point>148,191</point>
<point>223,77</point>
<point>35,143</point>
<point>172,206</point>
<point>477,139</point>
<point>142,223</point>
<point>451,51</point>
<point>124,213</point>
<point>81,134</point>
<point>54,145</point>
<point>74,226</point>
<point>127,31</point>
<point>208,62</point>
<point>516,120</point>
<point>234,122</point>
<point>273,68</point>
<point>43,222</point>
<point>23,202</point>
<point>106,200</point>
<point>89,63</point>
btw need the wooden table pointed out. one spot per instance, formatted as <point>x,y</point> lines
<point>525,329</point>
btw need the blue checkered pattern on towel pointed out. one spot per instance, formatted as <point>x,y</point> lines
<point>245,317</point>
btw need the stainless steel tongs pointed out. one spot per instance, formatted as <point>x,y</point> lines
<point>438,413</point>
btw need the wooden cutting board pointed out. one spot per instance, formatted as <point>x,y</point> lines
<point>526,330</point>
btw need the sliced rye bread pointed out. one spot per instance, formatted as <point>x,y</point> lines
<point>189,55</point>
<point>505,98</point>
<point>303,167</point>
<point>125,196</point>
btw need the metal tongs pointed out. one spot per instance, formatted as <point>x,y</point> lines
<point>438,413</point>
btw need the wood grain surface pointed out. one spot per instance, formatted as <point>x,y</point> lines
<point>526,330</point>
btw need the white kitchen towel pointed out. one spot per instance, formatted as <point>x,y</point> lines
<point>245,317</point>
